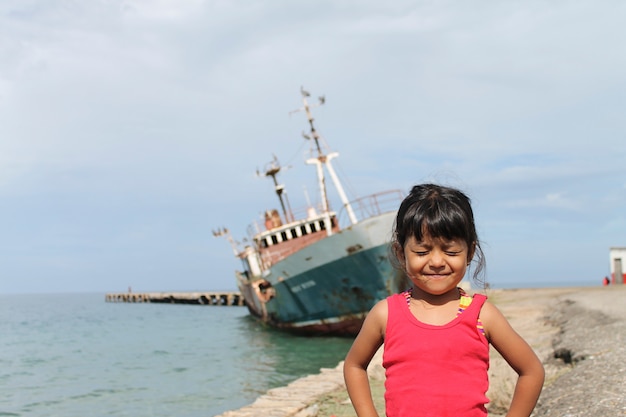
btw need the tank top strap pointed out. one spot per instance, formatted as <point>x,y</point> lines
<point>472,311</point>
<point>397,301</point>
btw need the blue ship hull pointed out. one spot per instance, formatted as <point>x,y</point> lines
<point>334,297</point>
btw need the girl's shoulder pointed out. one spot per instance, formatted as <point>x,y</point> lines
<point>492,318</point>
<point>489,309</point>
<point>376,320</point>
<point>381,307</point>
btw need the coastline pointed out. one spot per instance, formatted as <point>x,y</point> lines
<point>579,333</point>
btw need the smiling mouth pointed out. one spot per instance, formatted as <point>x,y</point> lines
<point>437,276</point>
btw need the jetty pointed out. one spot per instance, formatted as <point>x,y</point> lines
<point>223,298</point>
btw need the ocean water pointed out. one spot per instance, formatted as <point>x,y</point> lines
<point>76,355</point>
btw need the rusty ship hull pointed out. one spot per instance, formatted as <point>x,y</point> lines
<point>329,286</point>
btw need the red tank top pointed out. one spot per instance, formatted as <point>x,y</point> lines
<point>435,371</point>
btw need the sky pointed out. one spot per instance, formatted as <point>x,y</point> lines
<point>130,130</point>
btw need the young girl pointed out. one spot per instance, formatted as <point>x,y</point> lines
<point>436,337</point>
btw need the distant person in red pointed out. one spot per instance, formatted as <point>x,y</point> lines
<point>606,281</point>
<point>436,336</point>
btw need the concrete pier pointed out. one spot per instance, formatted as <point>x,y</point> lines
<point>200,298</point>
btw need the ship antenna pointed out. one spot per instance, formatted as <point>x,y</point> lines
<point>226,233</point>
<point>272,169</point>
<point>324,160</point>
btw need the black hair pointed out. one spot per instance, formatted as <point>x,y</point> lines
<point>442,212</point>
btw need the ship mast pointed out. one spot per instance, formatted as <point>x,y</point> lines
<point>323,161</point>
<point>272,170</point>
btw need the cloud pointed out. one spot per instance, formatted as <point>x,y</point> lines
<point>552,200</point>
<point>139,125</point>
<point>161,10</point>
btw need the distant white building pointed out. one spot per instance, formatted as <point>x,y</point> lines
<point>618,261</point>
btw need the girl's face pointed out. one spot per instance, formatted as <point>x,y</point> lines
<point>435,265</point>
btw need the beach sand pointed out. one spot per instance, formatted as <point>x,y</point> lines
<point>579,333</point>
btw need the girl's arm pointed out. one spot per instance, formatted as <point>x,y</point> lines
<point>367,342</point>
<point>520,356</point>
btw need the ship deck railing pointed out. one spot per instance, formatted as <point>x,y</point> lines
<point>371,205</point>
<point>363,207</point>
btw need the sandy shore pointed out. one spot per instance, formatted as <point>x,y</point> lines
<point>579,333</point>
